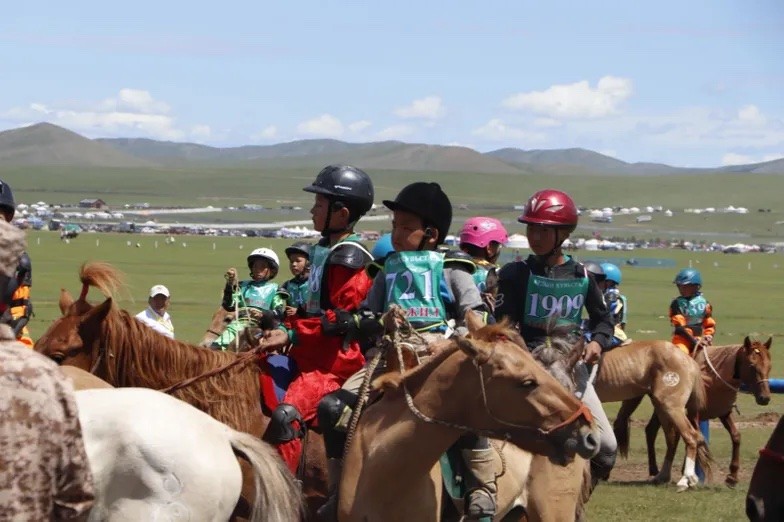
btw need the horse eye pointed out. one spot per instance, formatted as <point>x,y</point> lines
<point>58,357</point>
<point>529,384</point>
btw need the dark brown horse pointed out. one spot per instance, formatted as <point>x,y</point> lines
<point>764,502</point>
<point>113,345</point>
<point>725,369</point>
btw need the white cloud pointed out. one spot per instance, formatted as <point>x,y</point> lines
<point>395,132</point>
<point>429,108</point>
<point>732,158</point>
<point>201,132</point>
<point>325,125</point>
<point>267,133</point>
<point>131,112</point>
<point>547,122</point>
<point>751,114</point>
<point>576,100</point>
<point>497,130</point>
<point>358,126</point>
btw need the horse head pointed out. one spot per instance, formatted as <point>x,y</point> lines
<point>754,368</point>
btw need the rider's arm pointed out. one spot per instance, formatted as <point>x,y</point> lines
<point>708,322</point>
<point>509,300</point>
<point>676,317</point>
<point>600,321</point>
<point>228,298</point>
<point>466,294</point>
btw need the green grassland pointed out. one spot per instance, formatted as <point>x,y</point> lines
<point>746,301</point>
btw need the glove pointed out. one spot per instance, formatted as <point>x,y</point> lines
<point>338,323</point>
<point>368,324</point>
<point>363,324</point>
<point>265,319</point>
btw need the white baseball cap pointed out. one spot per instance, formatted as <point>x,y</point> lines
<point>159,289</point>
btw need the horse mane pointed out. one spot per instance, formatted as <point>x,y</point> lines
<point>103,276</point>
<point>140,356</point>
<point>559,353</point>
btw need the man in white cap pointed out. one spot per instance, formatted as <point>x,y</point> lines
<point>155,315</point>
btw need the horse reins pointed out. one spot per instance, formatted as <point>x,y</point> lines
<point>716,373</point>
<point>241,358</point>
<point>582,410</point>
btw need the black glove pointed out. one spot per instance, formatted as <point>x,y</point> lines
<point>344,322</point>
<point>368,324</point>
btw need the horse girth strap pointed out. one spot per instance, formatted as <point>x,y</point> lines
<point>581,411</point>
<point>242,358</point>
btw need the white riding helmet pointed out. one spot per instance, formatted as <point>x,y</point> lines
<point>265,253</point>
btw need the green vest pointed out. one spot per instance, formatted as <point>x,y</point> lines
<point>298,292</point>
<point>480,276</point>
<point>562,299</point>
<point>257,294</point>
<point>413,282</point>
<point>318,266</point>
<point>693,309</point>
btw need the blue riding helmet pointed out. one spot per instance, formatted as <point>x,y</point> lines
<point>383,247</point>
<point>612,273</point>
<point>688,276</point>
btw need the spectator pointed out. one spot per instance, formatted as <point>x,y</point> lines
<point>155,315</point>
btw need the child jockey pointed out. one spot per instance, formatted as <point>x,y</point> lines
<point>15,307</point>
<point>690,313</point>
<point>550,286</point>
<point>482,239</point>
<point>616,302</point>
<point>252,297</point>
<point>435,289</point>
<point>295,290</point>
<point>324,355</point>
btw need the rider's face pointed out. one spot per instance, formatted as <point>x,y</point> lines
<point>688,290</point>
<point>408,232</point>
<point>297,264</point>
<point>319,212</point>
<point>541,239</point>
<point>260,269</point>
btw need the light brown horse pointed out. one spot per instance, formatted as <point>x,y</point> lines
<point>488,385</point>
<point>764,501</point>
<point>220,319</point>
<point>674,383</point>
<point>114,346</point>
<point>724,369</point>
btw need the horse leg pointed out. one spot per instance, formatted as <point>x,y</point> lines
<point>729,424</point>
<point>651,431</point>
<point>671,439</point>
<point>696,450</point>
<point>621,424</point>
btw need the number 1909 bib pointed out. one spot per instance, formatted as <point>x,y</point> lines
<point>412,282</point>
<point>558,300</point>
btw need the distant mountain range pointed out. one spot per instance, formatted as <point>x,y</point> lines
<point>46,144</point>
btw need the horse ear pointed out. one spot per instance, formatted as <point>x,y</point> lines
<point>65,301</point>
<point>473,321</point>
<point>98,313</point>
<point>472,350</point>
<point>768,343</point>
<point>747,343</point>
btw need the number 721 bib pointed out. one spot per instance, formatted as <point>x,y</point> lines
<point>413,282</point>
<point>548,299</point>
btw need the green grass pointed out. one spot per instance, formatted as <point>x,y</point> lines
<point>745,301</point>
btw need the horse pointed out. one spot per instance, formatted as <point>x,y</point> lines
<point>113,345</point>
<point>218,323</point>
<point>674,383</point>
<point>155,457</point>
<point>724,369</point>
<point>764,502</point>
<point>502,393</point>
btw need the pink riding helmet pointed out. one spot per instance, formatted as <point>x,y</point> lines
<point>480,231</point>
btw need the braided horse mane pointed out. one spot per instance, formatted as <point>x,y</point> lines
<point>136,355</point>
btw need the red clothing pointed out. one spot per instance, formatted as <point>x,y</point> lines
<point>323,362</point>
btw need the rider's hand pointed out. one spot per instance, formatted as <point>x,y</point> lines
<point>707,339</point>
<point>275,339</point>
<point>231,275</point>
<point>592,352</point>
<point>290,311</point>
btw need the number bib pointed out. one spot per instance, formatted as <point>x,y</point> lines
<point>693,309</point>
<point>257,295</point>
<point>413,282</point>
<point>562,299</point>
<point>318,257</point>
<point>480,277</point>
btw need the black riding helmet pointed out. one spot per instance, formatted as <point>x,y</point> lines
<point>595,269</point>
<point>300,247</point>
<point>7,198</point>
<point>427,201</point>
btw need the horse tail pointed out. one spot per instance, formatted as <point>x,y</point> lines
<point>103,276</point>
<point>277,492</point>
<point>621,424</point>
<point>697,398</point>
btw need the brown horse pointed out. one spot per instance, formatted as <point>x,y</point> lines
<point>487,385</point>
<point>218,323</point>
<point>674,382</point>
<point>725,369</point>
<point>764,502</point>
<point>114,346</point>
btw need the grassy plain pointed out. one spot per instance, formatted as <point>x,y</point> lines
<point>747,292</point>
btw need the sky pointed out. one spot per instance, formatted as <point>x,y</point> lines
<point>696,83</point>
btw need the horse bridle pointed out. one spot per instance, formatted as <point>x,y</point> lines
<point>581,411</point>
<point>716,373</point>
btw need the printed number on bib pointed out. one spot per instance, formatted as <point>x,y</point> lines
<point>563,306</point>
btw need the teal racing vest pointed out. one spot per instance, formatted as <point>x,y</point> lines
<point>318,266</point>
<point>480,277</point>
<point>413,282</point>
<point>559,299</point>
<point>298,292</point>
<point>693,310</point>
<point>256,294</point>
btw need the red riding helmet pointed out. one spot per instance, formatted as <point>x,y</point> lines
<point>551,208</point>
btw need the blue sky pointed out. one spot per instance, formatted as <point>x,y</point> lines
<point>697,83</point>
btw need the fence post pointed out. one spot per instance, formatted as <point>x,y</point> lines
<point>705,429</point>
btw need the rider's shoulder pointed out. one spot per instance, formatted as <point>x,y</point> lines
<point>350,254</point>
<point>459,260</point>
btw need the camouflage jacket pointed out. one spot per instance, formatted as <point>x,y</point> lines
<point>44,471</point>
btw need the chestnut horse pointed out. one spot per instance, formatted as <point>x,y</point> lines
<point>124,352</point>
<point>485,384</point>
<point>764,501</point>
<point>674,383</point>
<point>725,369</point>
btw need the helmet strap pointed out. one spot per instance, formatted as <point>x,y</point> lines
<point>556,250</point>
<point>333,206</point>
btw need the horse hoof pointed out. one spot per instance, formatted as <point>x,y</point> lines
<point>731,482</point>
<point>681,488</point>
